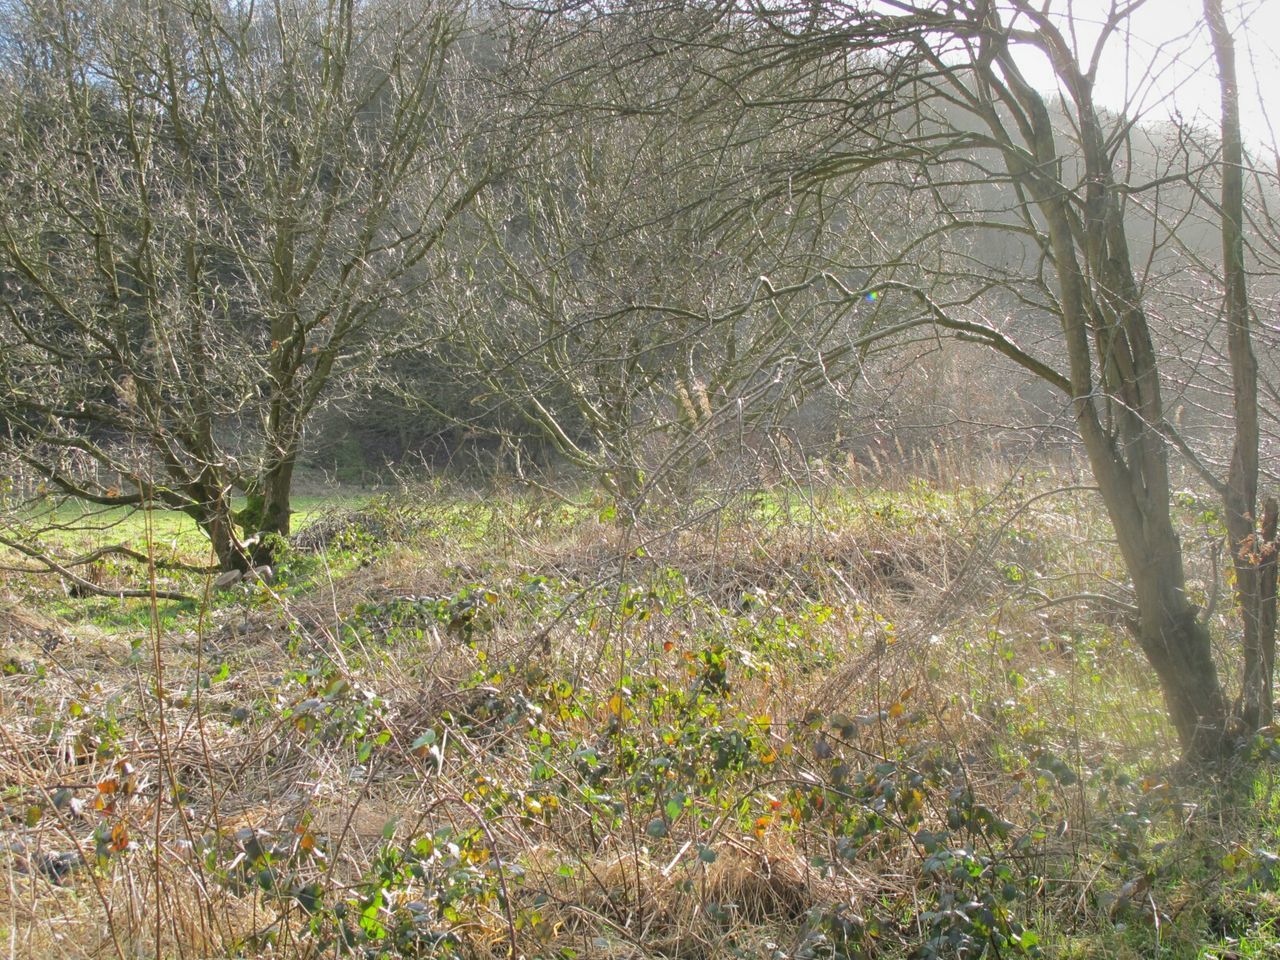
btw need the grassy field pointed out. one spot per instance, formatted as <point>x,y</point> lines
<point>842,722</point>
<point>77,527</point>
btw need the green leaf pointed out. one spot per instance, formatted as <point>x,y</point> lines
<point>369,922</point>
<point>426,740</point>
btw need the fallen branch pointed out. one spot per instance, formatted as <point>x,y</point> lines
<point>1097,599</point>
<point>120,550</point>
<point>53,566</point>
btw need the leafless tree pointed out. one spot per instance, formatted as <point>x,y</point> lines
<point>646,289</point>
<point>1036,237</point>
<point>212,215</point>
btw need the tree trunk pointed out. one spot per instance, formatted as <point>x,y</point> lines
<point>1254,568</point>
<point>1258,689</point>
<point>1178,647</point>
<point>213,514</point>
<point>274,517</point>
<point>1175,642</point>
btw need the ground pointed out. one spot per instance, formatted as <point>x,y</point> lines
<point>864,720</point>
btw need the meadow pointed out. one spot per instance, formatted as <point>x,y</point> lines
<point>876,718</point>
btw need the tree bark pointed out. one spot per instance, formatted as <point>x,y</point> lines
<point>1255,589</point>
<point>1178,647</point>
<point>275,511</point>
<point>1260,663</point>
<point>1174,641</point>
<point>212,512</point>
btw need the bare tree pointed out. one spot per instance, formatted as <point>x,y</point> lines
<point>1252,538</point>
<point>213,214</point>
<point>1025,243</point>
<point>1065,187</point>
<point>646,290</point>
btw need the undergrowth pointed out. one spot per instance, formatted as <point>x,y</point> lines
<point>837,723</point>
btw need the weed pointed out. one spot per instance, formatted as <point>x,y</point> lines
<point>852,723</point>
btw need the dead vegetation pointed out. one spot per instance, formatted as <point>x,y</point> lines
<point>534,733</point>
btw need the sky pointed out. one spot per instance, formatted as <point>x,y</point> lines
<point>1167,67</point>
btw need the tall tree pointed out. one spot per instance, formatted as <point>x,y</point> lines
<point>1252,538</point>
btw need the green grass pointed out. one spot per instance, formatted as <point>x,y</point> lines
<point>70,529</point>
<point>74,525</point>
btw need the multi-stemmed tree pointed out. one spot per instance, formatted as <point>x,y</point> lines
<point>211,216</point>
<point>645,288</point>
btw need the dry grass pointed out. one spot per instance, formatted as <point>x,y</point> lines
<point>524,731</point>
